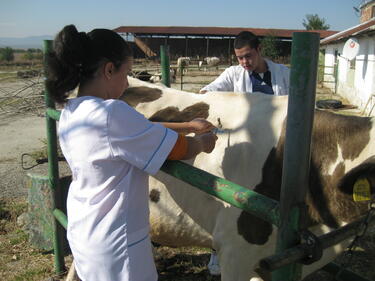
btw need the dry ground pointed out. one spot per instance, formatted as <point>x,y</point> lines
<point>24,132</point>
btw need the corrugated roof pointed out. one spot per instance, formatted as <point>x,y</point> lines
<point>212,31</point>
<point>356,30</point>
<point>365,3</point>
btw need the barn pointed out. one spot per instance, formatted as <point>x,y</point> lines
<point>348,72</point>
<point>199,42</point>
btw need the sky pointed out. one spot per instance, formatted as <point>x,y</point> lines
<point>23,18</point>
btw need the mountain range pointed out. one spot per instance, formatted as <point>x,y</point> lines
<point>35,42</point>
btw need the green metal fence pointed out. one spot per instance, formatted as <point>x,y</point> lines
<point>286,215</point>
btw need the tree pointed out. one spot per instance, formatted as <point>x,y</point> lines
<point>29,55</point>
<point>314,22</point>
<point>270,47</point>
<point>6,54</point>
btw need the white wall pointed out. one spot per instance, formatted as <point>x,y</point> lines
<point>355,84</point>
<point>329,63</point>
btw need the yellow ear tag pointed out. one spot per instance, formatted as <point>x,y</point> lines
<point>362,190</point>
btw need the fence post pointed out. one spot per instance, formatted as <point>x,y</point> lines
<point>296,163</point>
<point>336,74</point>
<point>53,172</point>
<point>164,58</point>
<point>181,75</point>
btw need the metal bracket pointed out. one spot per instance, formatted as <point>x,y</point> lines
<point>313,247</point>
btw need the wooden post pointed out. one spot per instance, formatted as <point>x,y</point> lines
<point>186,46</point>
<point>208,43</point>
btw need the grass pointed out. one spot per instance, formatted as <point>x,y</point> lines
<point>8,76</point>
<point>18,259</point>
<point>183,264</point>
<point>11,101</point>
<point>40,153</point>
<point>8,71</point>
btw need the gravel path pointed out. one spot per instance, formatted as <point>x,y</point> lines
<point>21,133</point>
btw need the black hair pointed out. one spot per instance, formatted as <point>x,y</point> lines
<point>76,57</point>
<point>246,38</point>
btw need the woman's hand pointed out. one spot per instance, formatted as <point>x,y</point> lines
<point>208,141</point>
<point>200,143</point>
<point>200,126</point>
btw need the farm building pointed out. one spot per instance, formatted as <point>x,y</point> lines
<point>349,61</point>
<point>199,42</point>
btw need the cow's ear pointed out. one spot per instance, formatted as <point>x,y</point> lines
<point>366,170</point>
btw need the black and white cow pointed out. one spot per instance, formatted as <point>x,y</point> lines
<point>249,152</point>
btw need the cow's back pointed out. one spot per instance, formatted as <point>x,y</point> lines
<point>249,152</point>
<point>249,126</point>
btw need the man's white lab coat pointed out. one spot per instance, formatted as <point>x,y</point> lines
<point>237,79</point>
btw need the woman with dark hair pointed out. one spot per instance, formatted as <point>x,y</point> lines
<point>110,149</point>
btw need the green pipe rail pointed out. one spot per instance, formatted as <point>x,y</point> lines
<point>164,60</point>
<point>288,215</point>
<point>301,104</point>
<point>53,173</point>
<point>300,251</point>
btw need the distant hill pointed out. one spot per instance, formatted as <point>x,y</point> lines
<point>25,42</point>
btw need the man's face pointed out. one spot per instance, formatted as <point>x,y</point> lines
<point>248,58</point>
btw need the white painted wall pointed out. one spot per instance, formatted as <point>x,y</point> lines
<point>358,84</point>
<point>329,64</point>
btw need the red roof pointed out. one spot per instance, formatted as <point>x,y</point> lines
<point>358,29</point>
<point>213,31</point>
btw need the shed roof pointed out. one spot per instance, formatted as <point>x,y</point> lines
<point>362,28</point>
<point>212,31</point>
<point>365,3</point>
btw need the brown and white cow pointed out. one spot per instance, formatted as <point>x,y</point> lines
<point>249,152</point>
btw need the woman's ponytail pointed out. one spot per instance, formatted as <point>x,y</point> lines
<point>64,63</point>
<point>77,56</point>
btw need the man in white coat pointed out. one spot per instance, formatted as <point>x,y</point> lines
<point>254,73</point>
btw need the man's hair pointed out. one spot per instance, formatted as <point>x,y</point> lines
<point>246,38</point>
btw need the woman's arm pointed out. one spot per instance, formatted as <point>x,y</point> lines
<point>188,147</point>
<point>197,126</point>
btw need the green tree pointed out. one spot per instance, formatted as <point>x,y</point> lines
<point>314,22</point>
<point>6,54</point>
<point>29,55</point>
<point>38,55</point>
<point>270,47</point>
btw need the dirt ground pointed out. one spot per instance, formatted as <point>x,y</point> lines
<point>25,133</point>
